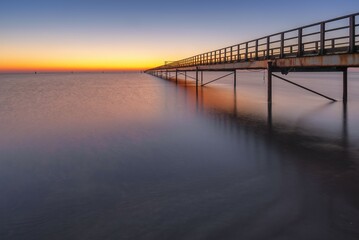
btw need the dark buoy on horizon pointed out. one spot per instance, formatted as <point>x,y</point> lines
<point>35,72</point>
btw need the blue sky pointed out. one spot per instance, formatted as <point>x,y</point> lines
<point>157,29</point>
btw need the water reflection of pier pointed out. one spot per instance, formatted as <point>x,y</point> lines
<point>223,106</point>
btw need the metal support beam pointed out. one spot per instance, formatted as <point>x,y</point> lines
<point>345,126</point>
<point>176,76</point>
<point>187,76</point>
<point>345,85</point>
<point>216,79</point>
<point>196,77</point>
<point>269,77</point>
<point>235,78</point>
<point>201,77</point>
<point>269,116</point>
<point>296,84</point>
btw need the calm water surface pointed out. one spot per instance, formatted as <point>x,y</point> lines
<point>131,156</point>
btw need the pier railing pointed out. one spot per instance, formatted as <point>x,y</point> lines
<point>335,36</point>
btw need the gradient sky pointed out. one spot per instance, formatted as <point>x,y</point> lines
<point>114,35</point>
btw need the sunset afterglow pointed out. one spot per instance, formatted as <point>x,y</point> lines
<point>111,35</point>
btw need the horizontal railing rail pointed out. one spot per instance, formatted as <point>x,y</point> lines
<point>335,36</point>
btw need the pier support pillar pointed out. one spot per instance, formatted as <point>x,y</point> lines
<point>269,116</point>
<point>196,77</point>
<point>345,85</point>
<point>235,78</point>
<point>201,77</point>
<point>185,77</point>
<point>176,76</point>
<point>269,94</point>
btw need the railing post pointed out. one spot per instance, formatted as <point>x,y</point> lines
<point>231,54</point>
<point>281,54</point>
<point>322,38</point>
<point>256,50</point>
<point>225,55</point>
<point>352,34</point>
<point>246,58</point>
<point>238,53</point>
<point>300,42</point>
<point>268,47</point>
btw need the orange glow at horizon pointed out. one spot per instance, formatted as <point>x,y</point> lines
<point>75,64</point>
<point>68,65</point>
<point>75,56</point>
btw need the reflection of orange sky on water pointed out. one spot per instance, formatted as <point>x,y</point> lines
<point>224,99</point>
<point>314,115</point>
<point>75,106</point>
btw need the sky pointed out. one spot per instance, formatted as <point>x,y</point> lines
<point>135,35</point>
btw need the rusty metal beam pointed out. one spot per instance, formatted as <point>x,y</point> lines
<point>315,63</point>
<point>340,60</point>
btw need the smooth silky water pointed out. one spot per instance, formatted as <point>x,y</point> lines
<point>132,156</point>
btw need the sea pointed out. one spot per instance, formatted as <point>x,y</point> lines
<point>133,156</point>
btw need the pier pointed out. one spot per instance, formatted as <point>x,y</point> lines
<point>328,46</point>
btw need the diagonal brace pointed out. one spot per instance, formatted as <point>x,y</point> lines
<point>187,76</point>
<point>217,79</point>
<point>310,90</point>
